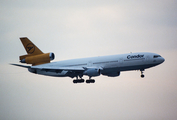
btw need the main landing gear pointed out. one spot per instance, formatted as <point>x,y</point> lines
<point>142,76</point>
<point>90,80</point>
<point>79,81</point>
<point>82,80</point>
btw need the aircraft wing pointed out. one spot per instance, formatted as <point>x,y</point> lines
<point>55,68</point>
<point>59,68</point>
<point>51,68</point>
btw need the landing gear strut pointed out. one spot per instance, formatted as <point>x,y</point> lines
<point>142,76</point>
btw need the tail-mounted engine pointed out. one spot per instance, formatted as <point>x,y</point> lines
<point>37,59</point>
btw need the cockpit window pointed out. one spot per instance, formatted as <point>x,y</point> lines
<point>156,56</point>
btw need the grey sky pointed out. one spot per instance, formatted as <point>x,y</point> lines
<point>76,29</point>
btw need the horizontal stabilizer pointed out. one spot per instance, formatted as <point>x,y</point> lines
<point>24,66</point>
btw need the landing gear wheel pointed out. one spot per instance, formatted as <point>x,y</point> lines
<point>90,81</point>
<point>78,81</point>
<point>87,81</point>
<point>74,81</point>
<point>82,80</point>
<point>142,76</point>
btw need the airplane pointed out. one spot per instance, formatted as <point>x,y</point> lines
<point>110,65</point>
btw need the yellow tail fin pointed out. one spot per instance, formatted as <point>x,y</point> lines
<point>30,48</point>
<point>35,56</point>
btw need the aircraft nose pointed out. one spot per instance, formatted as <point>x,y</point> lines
<point>162,60</point>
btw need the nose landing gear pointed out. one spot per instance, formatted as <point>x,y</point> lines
<point>142,76</point>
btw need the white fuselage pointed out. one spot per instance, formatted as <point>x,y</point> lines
<point>110,65</point>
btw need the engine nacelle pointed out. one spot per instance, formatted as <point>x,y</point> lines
<point>92,72</point>
<point>32,70</point>
<point>114,74</point>
<point>37,59</point>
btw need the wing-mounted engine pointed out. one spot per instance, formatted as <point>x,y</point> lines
<point>92,72</point>
<point>37,59</point>
<point>114,74</point>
